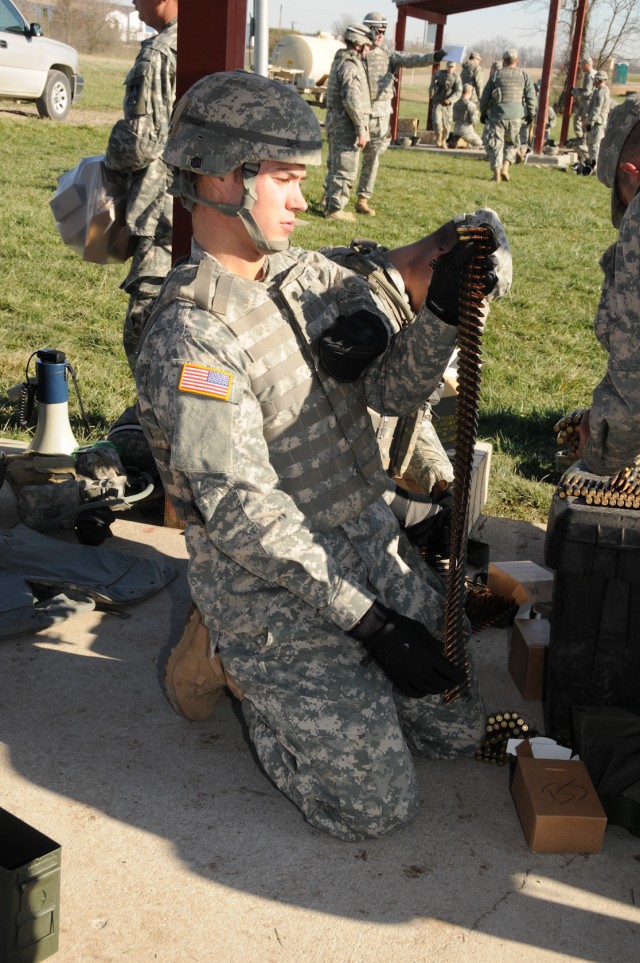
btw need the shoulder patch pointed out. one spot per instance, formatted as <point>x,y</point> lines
<point>210,382</point>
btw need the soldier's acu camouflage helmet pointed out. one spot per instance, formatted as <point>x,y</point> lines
<point>601,75</point>
<point>376,20</point>
<point>238,120</point>
<point>229,119</point>
<point>358,34</point>
<point>622,119</point>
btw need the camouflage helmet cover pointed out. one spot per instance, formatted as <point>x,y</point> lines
<point>622,120</point>
<point>233,118</point>
<point>358,33</point>
<point>375,19</point>
<point>474,55</point>
<point>601,75</point>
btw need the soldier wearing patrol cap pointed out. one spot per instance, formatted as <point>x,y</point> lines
<point>445,89</point>
<point>595,119</point>
<point>471,74</point>
<point>610,431</point>
<point>382,68</point>
<point>254,378</point>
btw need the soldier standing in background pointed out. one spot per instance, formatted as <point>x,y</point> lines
<point>465,115</point>
<point>582,96</point>
<point>381,68</point>
<point>445,89</point>
<point>508,99</point>
<point>135,150</point>
<point>471,73</point>
<point>595,119</point>
<point>347,121</point>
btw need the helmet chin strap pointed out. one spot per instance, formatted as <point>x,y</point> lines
<point>184,188</point>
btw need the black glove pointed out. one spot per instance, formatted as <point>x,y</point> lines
<point>406,651</point>
<point>483,118</point>
<point>433,531</point>
<point>528,119</point>
<point>443,296</point>
<point>352,343</point>
<point>588,128</point>
<point>439,55</point>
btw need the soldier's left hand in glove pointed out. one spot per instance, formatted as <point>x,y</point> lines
<point>443,296</point>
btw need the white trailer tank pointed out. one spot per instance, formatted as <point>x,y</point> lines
<point>305,61</point>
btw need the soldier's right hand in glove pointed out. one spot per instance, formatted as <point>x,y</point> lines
<point>443,296</point>
<point>439,55</point>
<point>406,652</point>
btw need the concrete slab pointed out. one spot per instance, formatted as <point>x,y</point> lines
<point>561,161</point>
<point>176,848</point>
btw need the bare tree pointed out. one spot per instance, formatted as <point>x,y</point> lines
<point>340,25</point>
<point>611,29</point>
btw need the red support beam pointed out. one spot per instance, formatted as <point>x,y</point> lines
<point>206,45</point>
<point>547,69</point>
<point>395,103</point>
<point>438,44</point>
<point>572,72</point>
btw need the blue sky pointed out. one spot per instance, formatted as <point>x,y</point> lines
<point>514,21</point>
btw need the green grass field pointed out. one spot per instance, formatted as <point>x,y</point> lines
<point>540,355</point>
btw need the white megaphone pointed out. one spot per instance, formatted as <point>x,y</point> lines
<point>53,432</point>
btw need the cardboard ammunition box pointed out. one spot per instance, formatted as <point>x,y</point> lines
<point>557,805</point>
<point>523,581</point>
<point>29,892</point>
<point>408,126</point>
<point>528,656</point>
<point>67,200</point>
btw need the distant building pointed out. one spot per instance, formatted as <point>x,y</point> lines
<point>128,23</point>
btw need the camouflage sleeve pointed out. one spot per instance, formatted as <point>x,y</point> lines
<point>401,59</point>
<point>220,463</point>
<point>355,95</point>
<point>614,421</point>
<point>456,93</point>
<point>529,96</point>
<point>429,461</point>
<point>139,137</point>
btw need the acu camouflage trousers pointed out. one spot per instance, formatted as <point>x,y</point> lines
<point>501,140</point>
<point>380,134</point>
<point>328,727</point>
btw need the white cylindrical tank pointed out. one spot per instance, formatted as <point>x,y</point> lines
<point>312,55</point>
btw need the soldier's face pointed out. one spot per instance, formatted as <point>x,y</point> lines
<point>148,12</point>
<point>279,192</point>
<point>379,37</point>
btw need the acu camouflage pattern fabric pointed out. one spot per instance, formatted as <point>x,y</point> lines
<point>507,100</point>
<point>276,592</point>
<point>614,420</point>
<point>622,119</point>
<point>381,68</point>
<point>135,149</point>
<point>471,73</point>
<point>347,119</point>
<point>465,115</point>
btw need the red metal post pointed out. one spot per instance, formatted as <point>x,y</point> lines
<point>439,41</point>
<point>401,26</point>
<point>547,70</point>
<point>206,44</point>
<point>572,72</point>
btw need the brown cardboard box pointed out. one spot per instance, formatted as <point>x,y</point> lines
<point>528,655</point>
<point>558,807</point>
<point>523,581</point>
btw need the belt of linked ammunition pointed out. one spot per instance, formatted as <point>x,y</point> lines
<point>621,490</point>
<point>502,726</point>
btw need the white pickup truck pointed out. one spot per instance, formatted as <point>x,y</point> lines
<point>34,68</point>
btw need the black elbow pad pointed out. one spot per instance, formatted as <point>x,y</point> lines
<point>352,343</point>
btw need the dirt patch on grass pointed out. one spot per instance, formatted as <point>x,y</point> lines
<point>77,117</point>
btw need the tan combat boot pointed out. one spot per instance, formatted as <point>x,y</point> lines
<point>194,680</point>
<point>339,216</point>
<point>496,175</point>
<point>505,170</point>
<point>362,207</point>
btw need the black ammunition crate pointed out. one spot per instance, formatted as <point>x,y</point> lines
<point>594,648</point>
<point>29,892</point>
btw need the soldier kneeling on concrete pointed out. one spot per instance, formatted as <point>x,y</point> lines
<point>334,639</point>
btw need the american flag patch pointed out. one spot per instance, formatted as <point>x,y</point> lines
<point>211,382</point>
